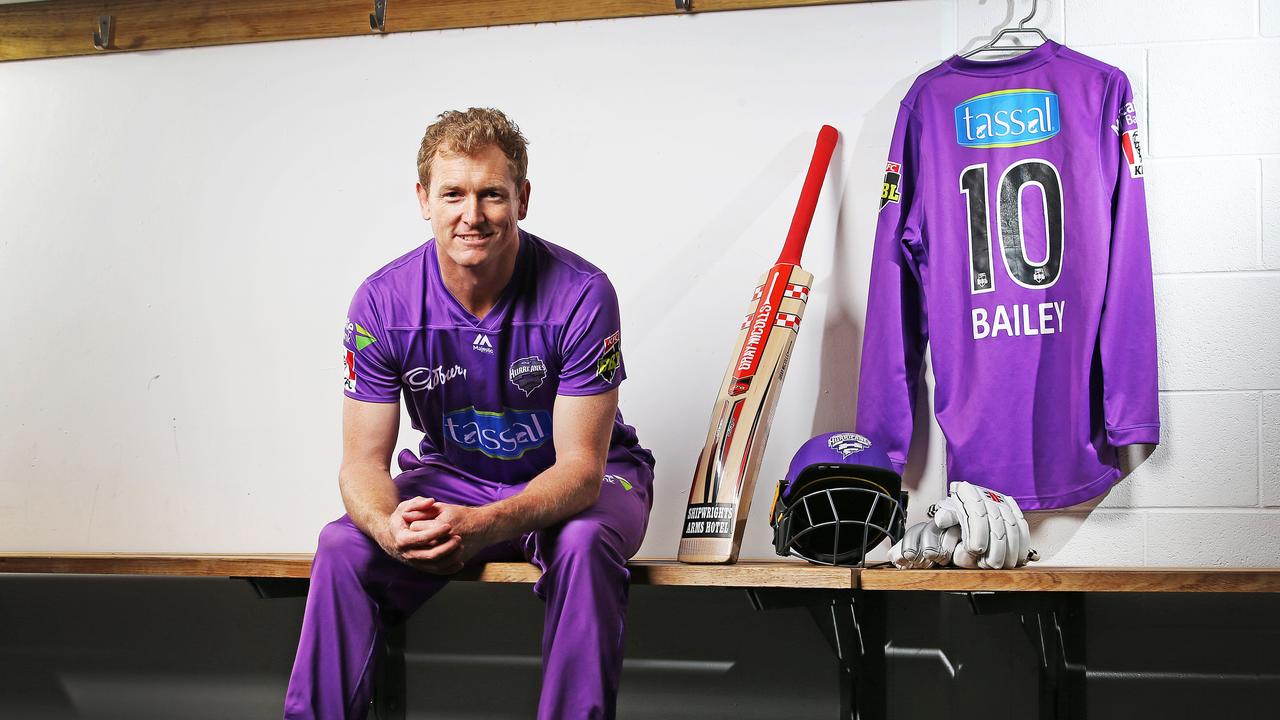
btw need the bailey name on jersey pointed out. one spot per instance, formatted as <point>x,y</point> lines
<point>1018,320</point>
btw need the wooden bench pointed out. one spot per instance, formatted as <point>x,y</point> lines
<point>850,605</point>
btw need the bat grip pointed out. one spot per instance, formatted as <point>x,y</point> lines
<point>800,222</point>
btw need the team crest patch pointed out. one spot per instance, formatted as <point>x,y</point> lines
<point>610,358</point>
<point>892,177</point>
<point>848,443</point>
<point>527,374</point>
<point>349,370</point>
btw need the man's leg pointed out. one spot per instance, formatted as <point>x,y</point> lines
<point>585,584</point>
<point>357,591</point>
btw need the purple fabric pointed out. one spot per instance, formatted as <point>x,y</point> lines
<point>1043,351</point>
<point>357,591</point>
<point>482,391</point>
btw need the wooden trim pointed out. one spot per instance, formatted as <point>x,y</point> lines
<point>643,572</point>
<point>781,574</point>
<point>297,565</point>
<point>58,28</point>
<point>1078,579</point>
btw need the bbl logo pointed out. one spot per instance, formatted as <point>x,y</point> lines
<point>892,176</point>
<point>527,374</point>
<point>848,443</point>
<point>610,358</point>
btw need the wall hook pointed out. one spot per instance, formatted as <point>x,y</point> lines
<point>378,18</point>
<point>684,5</point>
<point>105,35</point>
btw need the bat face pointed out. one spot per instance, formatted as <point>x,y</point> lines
<point>725,475</point>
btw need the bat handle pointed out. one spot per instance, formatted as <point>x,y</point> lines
<point>800,222</point>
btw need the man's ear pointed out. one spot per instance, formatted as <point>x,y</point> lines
<point>422,201</point>
<point>525,189</point>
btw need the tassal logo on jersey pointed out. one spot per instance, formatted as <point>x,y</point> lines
<point>507,435</point>
<point>1007,118</point>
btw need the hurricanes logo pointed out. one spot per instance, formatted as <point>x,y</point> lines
<point>848,443</point>
<point>527,374</point>
<point>1039,275</point>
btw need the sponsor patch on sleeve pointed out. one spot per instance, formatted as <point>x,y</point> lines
<point>1126,126</point>
<point>610,358</point>
<point>892,177</point>
<point>349,370</point>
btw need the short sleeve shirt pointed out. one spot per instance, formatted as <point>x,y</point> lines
<point>482,390</point>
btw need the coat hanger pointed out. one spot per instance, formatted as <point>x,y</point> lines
<point>1022,28</point>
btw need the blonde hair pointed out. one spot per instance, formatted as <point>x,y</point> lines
<point>468,133</point>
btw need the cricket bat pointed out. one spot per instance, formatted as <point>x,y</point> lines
<point>725,475</point>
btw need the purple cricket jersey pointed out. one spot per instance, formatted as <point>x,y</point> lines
<point>1012,239</point>
<point>482,391</point>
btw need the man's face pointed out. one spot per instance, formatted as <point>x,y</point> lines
<point>474,204</point>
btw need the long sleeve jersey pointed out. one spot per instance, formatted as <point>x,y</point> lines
<point>1012,240</point>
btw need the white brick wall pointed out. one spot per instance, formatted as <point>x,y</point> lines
<point>1206,77</point>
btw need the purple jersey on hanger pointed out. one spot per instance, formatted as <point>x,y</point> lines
<point>1012,239</point>
<point>482,391</point>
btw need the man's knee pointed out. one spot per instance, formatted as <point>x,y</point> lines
<point>589,540</point>
<point>343,544</point>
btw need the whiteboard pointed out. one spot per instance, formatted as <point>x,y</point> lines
<point>181,232</point>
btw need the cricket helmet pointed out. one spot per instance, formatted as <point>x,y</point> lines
<point>841,497</point>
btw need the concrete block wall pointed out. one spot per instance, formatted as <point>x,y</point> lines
<point>1206,76</point>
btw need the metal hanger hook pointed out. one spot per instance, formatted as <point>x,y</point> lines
<point>1023,22</point>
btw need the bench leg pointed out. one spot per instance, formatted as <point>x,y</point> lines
<point>855,625</point>
<point>389,686</point>
<point>1058,633</point>
<point>1055,625</point>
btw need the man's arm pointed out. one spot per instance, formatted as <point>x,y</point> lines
<point>582,427</point>
<point>369,432</point>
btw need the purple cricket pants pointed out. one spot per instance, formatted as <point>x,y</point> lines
<point>357,591</point>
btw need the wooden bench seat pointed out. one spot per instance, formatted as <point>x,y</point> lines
<point>777,574</point>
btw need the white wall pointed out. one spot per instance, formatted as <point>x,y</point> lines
<point>180,232</point>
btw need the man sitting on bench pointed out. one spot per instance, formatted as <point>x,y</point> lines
<point>508,351</point>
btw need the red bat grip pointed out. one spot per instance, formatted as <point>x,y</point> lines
<point>800,222</point>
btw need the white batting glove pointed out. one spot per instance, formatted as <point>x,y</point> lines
<point>993,532</point>
<point>925,545</point>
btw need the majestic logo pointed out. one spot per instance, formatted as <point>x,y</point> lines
<point>482,344</point>
<point>429,379</point>
<point>349,373</point>
<point>847,444</point>
<point>1007,118</point>
<point>892,176</point>
<point>507,435</point>
<point>527,374</point>
<point>618,480</point>
<point>610,358</point>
